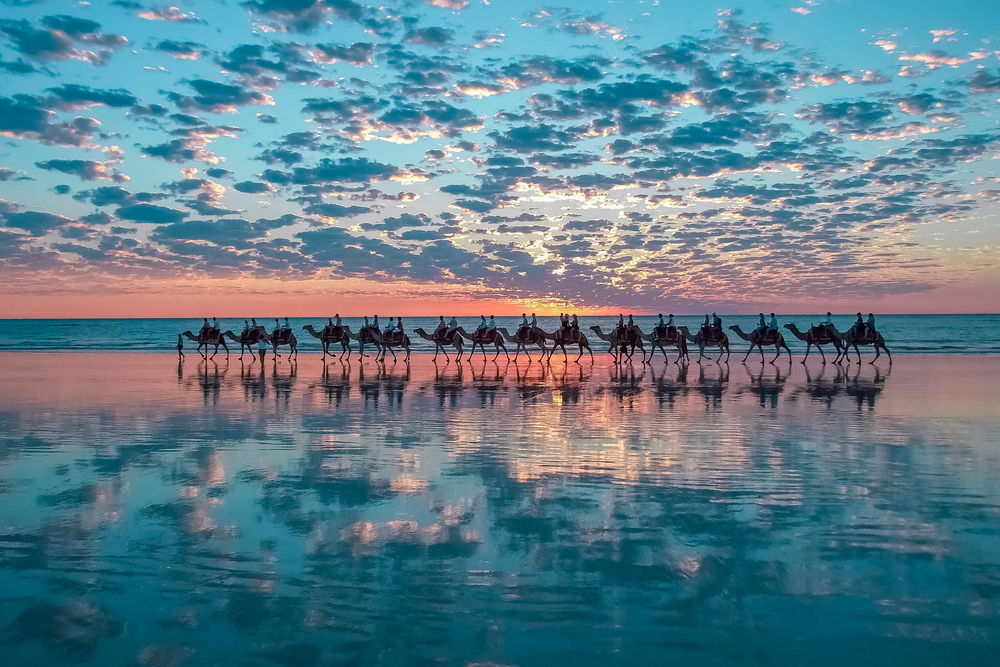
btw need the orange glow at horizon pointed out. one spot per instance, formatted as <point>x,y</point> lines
<point>355,297</point>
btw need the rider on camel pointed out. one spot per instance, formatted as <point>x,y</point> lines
<point>574,329</point>
<point>534,321</point>
<point>870,325</point>
<point>761,324</point>
<point>524,322</point>
<point>620,329</point>
<point>772,326</point>
<point>452,327</point>
<point>441,328</point>
<point>399,327</point>
<point>481,329</point>
<point>717,324</point>
<point>859,326</point>
<point>492,327</point>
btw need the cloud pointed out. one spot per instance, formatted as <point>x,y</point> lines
<point>218,97</point>
<point>76,96</point>
<point>87,170</point>
<point>359,53</point>
<point>447,4</point>
<point>342,170</point>
<point>182,50</point>
<point>170,15</point>
<point>35,223</point>
<point>150,213</point>
<point>61,37</point>
<point>252,187</point>
<point>984,82</point>
<point>26,117</point>
<point>433,36</point>
<point>304,15</point>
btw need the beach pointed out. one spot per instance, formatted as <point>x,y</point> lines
<point>157,512</point>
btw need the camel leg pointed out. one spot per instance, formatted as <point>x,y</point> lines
<point>857,352</point>
<point>889,354</point>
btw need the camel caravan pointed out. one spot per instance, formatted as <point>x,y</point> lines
<point>623,340</point>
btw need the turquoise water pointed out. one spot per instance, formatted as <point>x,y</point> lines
<point>903,333</point>
<point>301,514</point>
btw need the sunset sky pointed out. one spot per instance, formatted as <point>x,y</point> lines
<point>312,155</point>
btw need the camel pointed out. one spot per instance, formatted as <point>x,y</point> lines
<point>819,336</point>
<point>365,335</point>
<point>287,337</point>
<point>247,339</point>
<point>523,338</point>
<point>494,337</point>
<point>759,340</point>
<point>386,343</point>
<point>661,339</point>
<point>439,344</point>
<point>622,347</point>
<point>329,336</point>
<point>561,341</point>
<point>211,337</point>
<point>852,338</point>
<point>720,340</point>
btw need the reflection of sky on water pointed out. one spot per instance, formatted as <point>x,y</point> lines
<point>497,513</point>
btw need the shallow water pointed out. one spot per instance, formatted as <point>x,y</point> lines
<point>491,513</point>
<point>924,334</point>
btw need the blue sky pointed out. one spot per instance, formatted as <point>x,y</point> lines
<point>594,155</point>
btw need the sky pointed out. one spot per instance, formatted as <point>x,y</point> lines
<point>465,156</point>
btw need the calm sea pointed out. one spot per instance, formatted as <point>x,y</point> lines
<point>903,333</point>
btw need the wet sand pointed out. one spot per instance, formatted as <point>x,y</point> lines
<point>490,512</point>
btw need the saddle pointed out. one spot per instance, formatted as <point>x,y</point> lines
<point>525,335</point>
<point>396,338</point>
<point>281,336</point>
<point>445,336</point>
<point>820,333</point>
<point>486,336</point>
<point>866,337</point>
<point>769,337</point>
<point>711,334</point>
<point>665,334</point>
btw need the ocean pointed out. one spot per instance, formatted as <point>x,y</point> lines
<point>926,334</point>
<point>158,512</point>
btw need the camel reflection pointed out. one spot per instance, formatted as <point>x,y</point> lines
<point>667,390</point>
<point>864,384</point>
<point>713,385</point>
<point>385,386</point>
<point>768,382</point>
